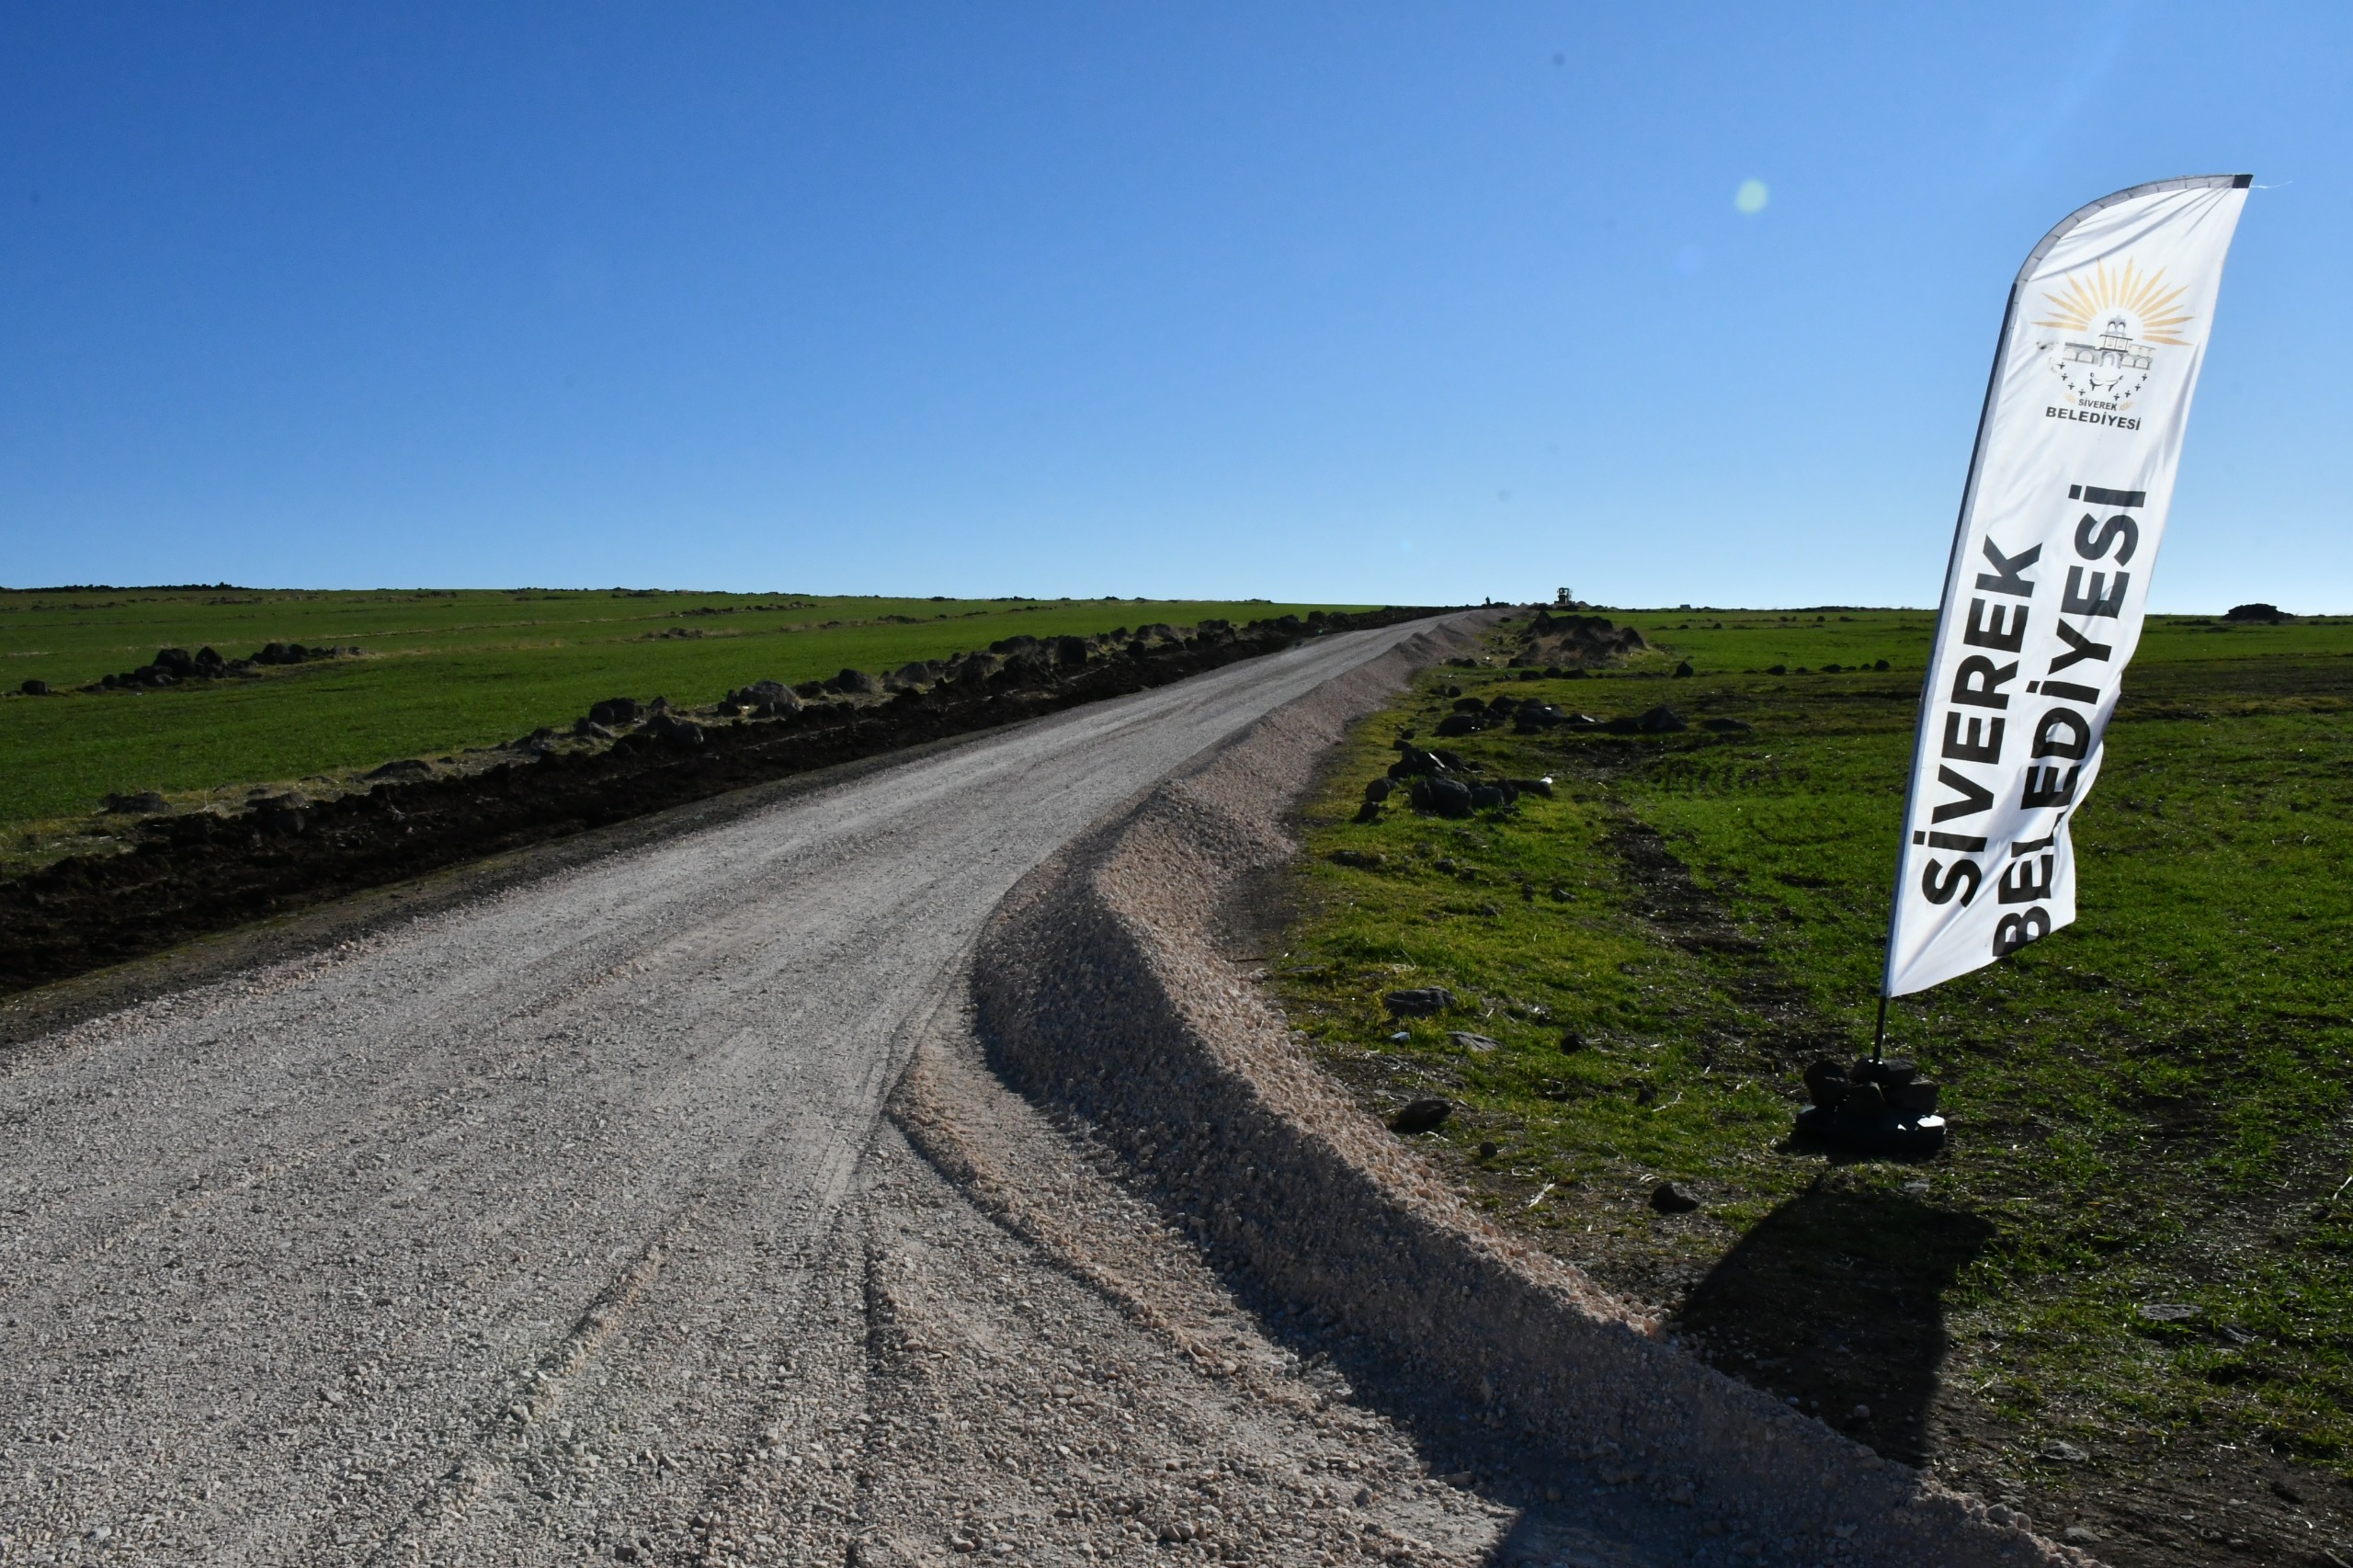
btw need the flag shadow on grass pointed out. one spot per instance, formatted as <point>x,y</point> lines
<point>1837,1297</point>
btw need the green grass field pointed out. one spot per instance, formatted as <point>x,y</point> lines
<point>2150,1106</point>
<point>440,671</point>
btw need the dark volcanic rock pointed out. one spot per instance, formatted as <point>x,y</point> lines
<point>1825,1081</point>
<point>616,711</point>
<point>1420,1002</point>
<point>35,688</point>
<point>144,802</point>
<point>1660,720</point>
<point>1670,1199</point>
<point>1421,1116</point>
<point>1445,796</point>
<point>671,730</point>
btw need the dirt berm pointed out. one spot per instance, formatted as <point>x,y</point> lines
<point>197,872</point>
<point>1102,993</point>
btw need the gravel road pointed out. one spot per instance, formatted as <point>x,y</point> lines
<point>566,1223</point>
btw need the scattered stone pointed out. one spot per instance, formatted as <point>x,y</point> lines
<point>1489,910</point>
<point>854,683</point>
<point>1918,1097</point>
<point>1572,1043</point>
<point>1460,724</point>
<point>1362,860</point>
<point>1683,670</point>
<point>1441,796</point>
<point>35,688</point>
<point>1660,720</point>
<point>146,801</point>
<point>1727,726</point>
<point>2065,1453</point>
<point>589,730</point>
<point>1670,1199</point>
<point>1463,1039</point>
<point>1378,789</point>
<point>1487,1149</point>
<point>2080,1535</point>
<point>2167,1312</point>
<point>671,730</point>
<point>1420,1002</point>
<point>766,698</point>
<point>1560,893</point>
<point>616,711</point>
<point>1421,1114</point>
<point>1826,1080</point>
<point>1862,1412</point>
<point>407,770</point>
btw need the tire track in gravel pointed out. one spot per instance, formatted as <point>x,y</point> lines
<point>592,1144</point>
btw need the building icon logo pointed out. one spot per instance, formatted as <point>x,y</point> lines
<point>2110,324</point>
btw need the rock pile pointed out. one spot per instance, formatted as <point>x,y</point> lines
<point>296,653</point>
<point>171,667</point>
<point>198,871</point>
<point>1872,1106</point>
<point>1576,642</point>
<point>1443,784</point>
<point>761,699</point>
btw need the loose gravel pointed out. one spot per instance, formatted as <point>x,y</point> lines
<point>546,1226</point>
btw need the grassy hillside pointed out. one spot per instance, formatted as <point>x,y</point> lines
<point>438,671</point>
<point>2129,1277</point>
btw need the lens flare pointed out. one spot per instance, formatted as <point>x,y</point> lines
<point>1750,197</point>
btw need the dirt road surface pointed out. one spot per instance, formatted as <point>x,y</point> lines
<point>566,1224</point>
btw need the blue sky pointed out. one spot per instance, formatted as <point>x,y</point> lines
<point>1324,301</point>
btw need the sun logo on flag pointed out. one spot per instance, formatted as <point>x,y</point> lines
<point>2113,321</point>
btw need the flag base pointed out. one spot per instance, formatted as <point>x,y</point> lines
<point>1872,1107</point>
<point>1889,1132</point>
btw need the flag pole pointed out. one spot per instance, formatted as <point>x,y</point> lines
<point>1944,612</point>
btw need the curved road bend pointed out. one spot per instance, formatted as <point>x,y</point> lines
<point>280,1255</point>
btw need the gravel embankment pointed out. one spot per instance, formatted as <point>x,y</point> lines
<point>562,1224</point>
<point>1103,995</point>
